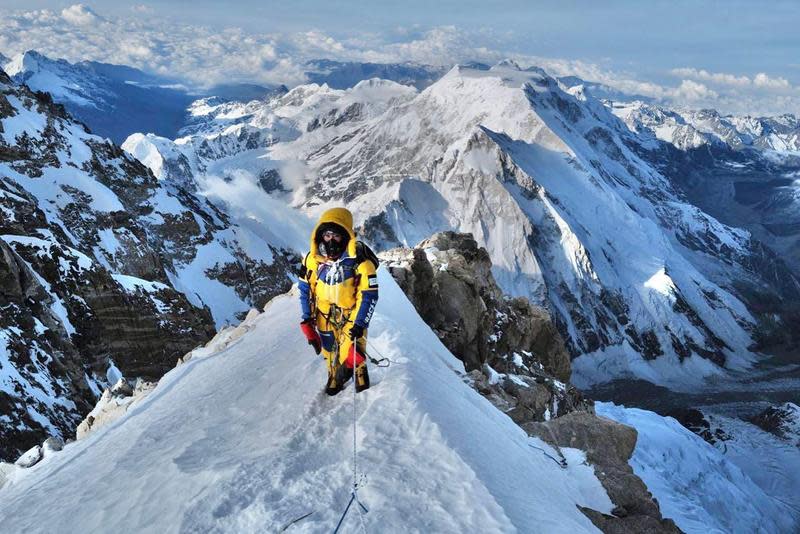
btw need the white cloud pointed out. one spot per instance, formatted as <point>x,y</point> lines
<point>142,9</point>
<point>693,91</point>
<point>762,80</point>
<point>206,56</point>
<point>721,78</point>
<point>79,14</point>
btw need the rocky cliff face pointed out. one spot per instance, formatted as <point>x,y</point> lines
<point>515,355</point>
<point>43,387</point>
<point>103,266</point>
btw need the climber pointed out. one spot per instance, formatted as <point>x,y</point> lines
<point>338,293</point>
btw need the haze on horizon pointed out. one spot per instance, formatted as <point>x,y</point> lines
<point>736,56</point>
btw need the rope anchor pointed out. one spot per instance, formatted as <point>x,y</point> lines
<point>353,497</point>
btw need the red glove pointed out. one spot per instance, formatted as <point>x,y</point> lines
<point>310,331</point>
<point>358,357</point>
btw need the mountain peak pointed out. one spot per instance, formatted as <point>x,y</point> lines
<point>31,61</point>
<point>507,64</point>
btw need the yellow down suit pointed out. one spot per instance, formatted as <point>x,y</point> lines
<point>338,294</point>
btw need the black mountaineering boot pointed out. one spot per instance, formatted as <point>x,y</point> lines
<point>343,374</point>
<point>333,386</point>
<point>362,377</point>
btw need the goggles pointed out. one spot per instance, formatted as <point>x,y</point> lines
<point>330,234</point>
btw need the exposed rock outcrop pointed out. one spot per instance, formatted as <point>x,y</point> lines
<point>698,423</point>
<point>608,446</point>
<point>449,280</point>
<point>35,345</point>
<point>782,421</point>
<point>511,349</point>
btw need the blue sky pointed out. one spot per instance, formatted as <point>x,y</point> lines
<point>730,53</point>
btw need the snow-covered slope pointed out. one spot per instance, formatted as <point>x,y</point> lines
<point>640,281</point>
<point>773,463</point>
<point>245,440</point>
<point>676,466</point>
<point>101,262</point>
<point>242,438</point>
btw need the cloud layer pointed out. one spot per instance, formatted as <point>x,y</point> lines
<point>206,56</point>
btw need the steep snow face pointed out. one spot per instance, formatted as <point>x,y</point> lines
<point>741,170</point>
<point>245,440</point>
<point>99,260</point>
<point>641,282</point>
<point>674,463</point>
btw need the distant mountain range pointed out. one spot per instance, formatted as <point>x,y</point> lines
<point>116,101</point>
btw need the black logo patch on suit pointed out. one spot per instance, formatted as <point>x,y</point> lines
<point>373,280</point>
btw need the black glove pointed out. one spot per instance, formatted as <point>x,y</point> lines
<point>356,332</point>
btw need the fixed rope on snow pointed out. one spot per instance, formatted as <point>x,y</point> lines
<point>354,493</point>
<point>383,361</point>
<point>561,463</point>
<point>294,521</point>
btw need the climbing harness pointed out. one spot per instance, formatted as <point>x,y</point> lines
<point>336,317</point>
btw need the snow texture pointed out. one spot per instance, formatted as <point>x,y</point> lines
<point>696,485</point>
<point>244,440</point>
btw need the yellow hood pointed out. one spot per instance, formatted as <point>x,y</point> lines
<point>343,218</point>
